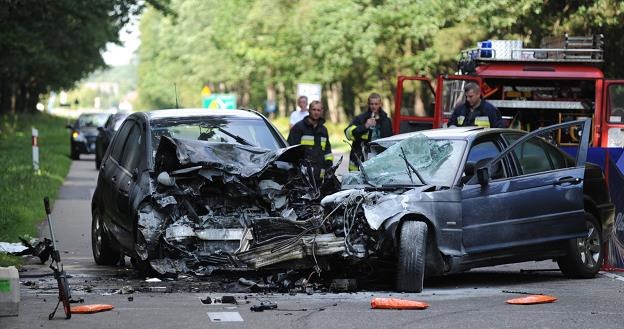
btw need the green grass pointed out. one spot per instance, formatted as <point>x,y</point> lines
<point>22,190</point>
<point>336,133</point>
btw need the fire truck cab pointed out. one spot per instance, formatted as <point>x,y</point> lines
<point>532,87</point>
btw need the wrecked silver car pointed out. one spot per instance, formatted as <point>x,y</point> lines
<point>447,200</point>
<point>199,190</point>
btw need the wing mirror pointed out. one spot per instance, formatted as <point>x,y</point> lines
<point>100,129</point>
<point>469,168</point>
<point>69,127</point>
<point>483,175</point>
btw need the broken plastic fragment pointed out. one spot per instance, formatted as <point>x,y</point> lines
<point>397,304</point>
<point>92,308</point>
<point>532,299</point>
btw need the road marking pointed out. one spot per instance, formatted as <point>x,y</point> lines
<point>612,276</point>
<point>225,317</point>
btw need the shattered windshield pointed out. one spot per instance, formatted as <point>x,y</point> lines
<point>436,160</point>
<point>244,131</point>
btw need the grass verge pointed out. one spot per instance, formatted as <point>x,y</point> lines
<point>21,189</point>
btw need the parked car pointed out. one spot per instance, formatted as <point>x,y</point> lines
<point>448,200</point>
<point>105,133</point>
<point>185,190</point>
<point>84,132</point>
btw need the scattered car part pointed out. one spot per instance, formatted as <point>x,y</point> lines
<point>397,304</point>
<point>91,308</point>
<point>532,299</point>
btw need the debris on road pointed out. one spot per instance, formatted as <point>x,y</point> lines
<point>91,308</point>
<point>263,306</point>
<point>38,248</point>
<point>397,304</point>
<point>343,285</point>
<point>532,299</point>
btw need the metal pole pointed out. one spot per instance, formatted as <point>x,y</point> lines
<point>35,150</point>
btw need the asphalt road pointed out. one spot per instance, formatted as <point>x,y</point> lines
<point>475,299</point>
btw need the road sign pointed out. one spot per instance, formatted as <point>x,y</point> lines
<point>310,90</point>
<point>219,101</point>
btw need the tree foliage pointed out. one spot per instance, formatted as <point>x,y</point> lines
<point>50,44</point>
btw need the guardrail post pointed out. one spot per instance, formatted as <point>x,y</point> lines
<point>35,150</point>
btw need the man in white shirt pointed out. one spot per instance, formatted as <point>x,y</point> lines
<point>301,111</point>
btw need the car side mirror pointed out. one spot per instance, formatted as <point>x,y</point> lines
<point>135,174</point>
<point>483,175</point>
<point>100,129</point>
<point>69,127</point>
<point>469,169</point>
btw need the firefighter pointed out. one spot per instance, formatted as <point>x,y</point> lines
<point>312,133</point>
<point>476,111</point>
<point>366,127</point>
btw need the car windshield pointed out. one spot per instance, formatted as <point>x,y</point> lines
<point>92,120</point>
<point>246,131</point>
<point>436,161</point>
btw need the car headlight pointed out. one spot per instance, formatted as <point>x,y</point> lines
<point>77,136</point>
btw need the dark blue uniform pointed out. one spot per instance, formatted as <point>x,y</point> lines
<point>485,115</point>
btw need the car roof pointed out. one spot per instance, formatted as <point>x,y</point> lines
<point>464,133</point>
<point>93,114</point>
<point>198,112</point>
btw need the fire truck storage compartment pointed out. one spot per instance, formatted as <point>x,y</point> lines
<point>530,103</point>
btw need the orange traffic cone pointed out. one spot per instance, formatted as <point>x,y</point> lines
<point>92,308</point>
<point>397,304</point>
<point>532,299</point>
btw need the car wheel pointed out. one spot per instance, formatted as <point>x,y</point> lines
<point>585,255</point>
<point>74,154</point>
<point>103,251</point>
<point>411,261</point>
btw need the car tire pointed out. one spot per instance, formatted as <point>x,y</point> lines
<point>411,257</point>
<point>104,253</point>
<point>74,154</point>
<point>585,255</point>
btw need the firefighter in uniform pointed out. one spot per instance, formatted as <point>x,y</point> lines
<point>475,111</point>
<point>366,127</point>
<point>311,133</point>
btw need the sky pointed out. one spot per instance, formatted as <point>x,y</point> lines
<point>115,55</point>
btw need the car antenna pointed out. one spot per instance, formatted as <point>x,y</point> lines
<point>175,91</point>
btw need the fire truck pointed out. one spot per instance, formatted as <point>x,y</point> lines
<point>562,80</point>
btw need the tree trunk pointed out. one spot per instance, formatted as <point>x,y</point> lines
<point>333,94</point>
<point>20,98</point>
<point>32,98</point>
<point>5,98</point>
<point>246,94</point>
<point>281,104</point>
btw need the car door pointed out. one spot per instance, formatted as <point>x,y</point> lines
<point>540,200</point>
<point>107,183</point>
<point>127,176</point>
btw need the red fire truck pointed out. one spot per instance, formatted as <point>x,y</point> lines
<point>561,80</point>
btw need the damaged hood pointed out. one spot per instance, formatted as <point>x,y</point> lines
<point>235,159</point>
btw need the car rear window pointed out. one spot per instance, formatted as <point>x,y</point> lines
<point>92,120</point>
